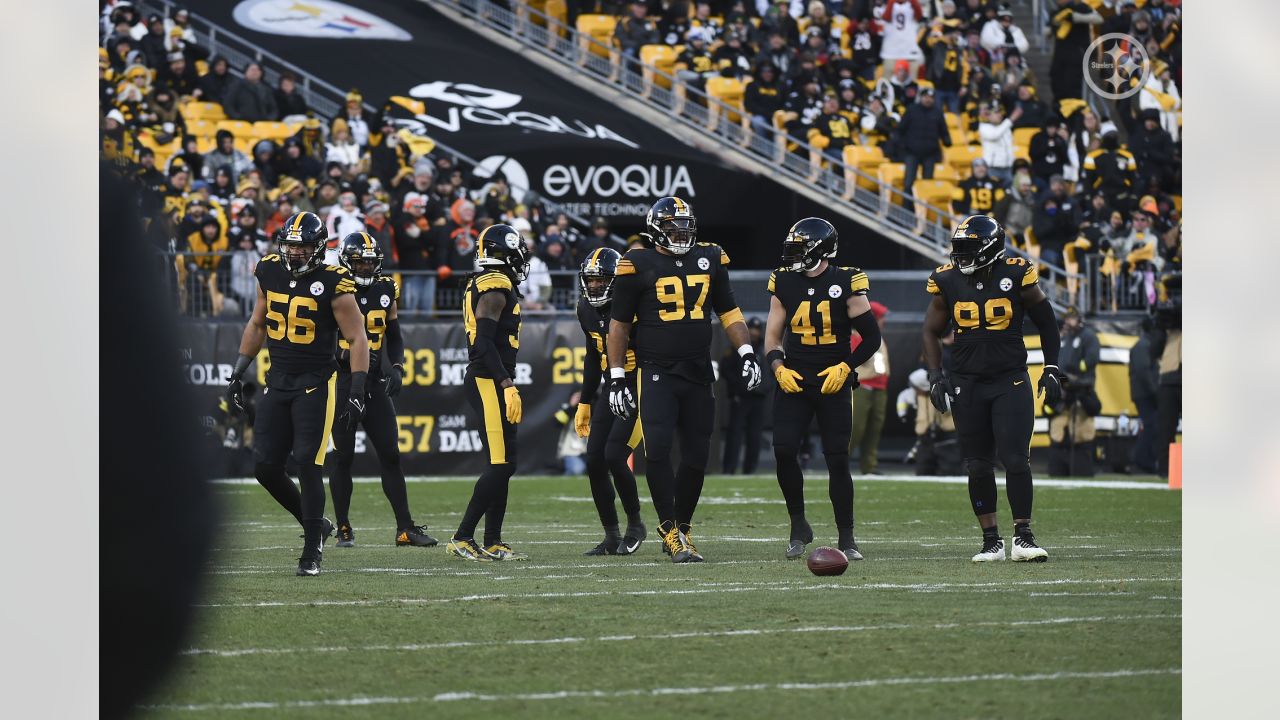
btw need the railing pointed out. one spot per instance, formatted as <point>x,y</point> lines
<point>923,227</point>
<point>323,97</point>
<point>1113,288</point>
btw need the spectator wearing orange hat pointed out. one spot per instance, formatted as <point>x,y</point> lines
<point>870,400</point>
<point>415,250</point>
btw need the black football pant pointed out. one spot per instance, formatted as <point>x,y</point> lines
<point>672,406</point>
<point>1169,409</point>
<point>299,421</point>
<point>383,432</point>
<point>746,424</point>
<point>994,418</point>
<point>609,448</point>
<point>489,497</point>
<point>792,413</point>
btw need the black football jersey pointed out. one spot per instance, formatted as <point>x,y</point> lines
<point>508,339</point>
<point>670,299</point>
<point>302,333</point>
<point>375,301</point>
<point>595,325</point>
<point>818,324</point>
<point>986,312</point>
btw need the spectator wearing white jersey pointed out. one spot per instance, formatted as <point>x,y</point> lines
<point>901,19</point>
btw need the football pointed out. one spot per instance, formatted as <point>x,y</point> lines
<point>827,561</point>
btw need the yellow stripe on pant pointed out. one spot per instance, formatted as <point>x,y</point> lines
<point>493,419</point>
<point>328,418</point>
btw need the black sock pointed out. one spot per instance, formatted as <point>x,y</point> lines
<point>991,533</point>
<point>611,532</point>
<point>634,519</point>
<point>840,489</point>
<point>311,478</point>
<point>689,480</point>
<point>845,540</point>
<point>276,482</point>
<point>1022,528</point>
<point>662,482</point>
<point>790,479</point>
<point>601,490</point>
<point>800,530</point>
<point>393,487</point>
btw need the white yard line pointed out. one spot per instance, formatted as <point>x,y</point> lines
<point>662,691</point>
<point>745,587</point>
<point>748,632</point>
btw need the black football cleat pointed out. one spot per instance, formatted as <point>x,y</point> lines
<point>851,551</point>
<point>416,536</point>
<point>308,567</point>
<point>608,546</point>
<point>346,536</point>
<point>630,542</point>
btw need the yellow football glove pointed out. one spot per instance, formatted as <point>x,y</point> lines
<point>835,377</point>
<point>582,420</point>
<point>788,379</point>
<point>515,410</point>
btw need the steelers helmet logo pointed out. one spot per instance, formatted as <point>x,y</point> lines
<point>1006,284</point>
<point>704,264</point>
<point>385,301</point>
<point>317,288</point>
<point>834,291</point>
<point>513,240</point>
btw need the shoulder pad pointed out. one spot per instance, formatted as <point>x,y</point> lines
<point>773,277</point>
<point>492,280</point>
<point>273,257</point>
<point>626,266</point>
<point>858,282</point>
<point>1095,153</point>
<point>944,268</point>
<point>1125,153</point>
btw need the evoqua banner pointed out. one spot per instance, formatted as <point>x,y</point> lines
<point>537,128</point>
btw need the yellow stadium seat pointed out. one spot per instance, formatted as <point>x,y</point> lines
<point>866,159</point>
<point>245,144</point>
<point>942,171</point>
<point>937,194</point>
<point>1022,136</point>
<point>661,58</point>
<point>598,28</point>
<point>202,128</point>
<point>205,144</point>
<point>954,121</point>
<point>891,173</point>
<point>275,131</point>
<point>1177,203</point>
<point>238,128</point>
<point>1022,151</point>
<point>961,157</point>
<point>196,110</point>
<point>728,91</point>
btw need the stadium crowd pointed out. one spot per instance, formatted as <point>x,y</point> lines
<point>941,91</point>
<point>222,159</point>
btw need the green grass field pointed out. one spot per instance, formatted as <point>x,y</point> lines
<point>916,630</point>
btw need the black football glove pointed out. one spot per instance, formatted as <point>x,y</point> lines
<point>394,381</point>
<point>941,391</point>
<point>1051,383</point>
<point>353,409</point>
<point>235,396</point>
<point>620,400</point>
<point>751,371</point>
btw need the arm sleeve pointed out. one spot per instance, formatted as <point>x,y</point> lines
<point>866,326</point>
<point>590,374</point>
<point>626,292</point>
<point>1050,341</point>
<point>395,342</point>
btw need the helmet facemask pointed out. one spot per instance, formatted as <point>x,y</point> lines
<point>364,266</point>
<point>596,287</point>
<point>677,234</point>
<point>970,255</point>
<point>299,256</point>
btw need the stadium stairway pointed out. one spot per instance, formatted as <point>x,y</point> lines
<point>1029,15</point>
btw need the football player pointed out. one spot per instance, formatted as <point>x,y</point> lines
<point>816,304</point>
<point>491,318</point>
<point>302,305</point>
<point>377,295</point>
<point>985,295</point>
<point>664,292</point>
<point>610,439</point>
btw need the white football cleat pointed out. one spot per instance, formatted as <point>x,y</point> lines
<point>1025,549</point>
<point>992,551</point>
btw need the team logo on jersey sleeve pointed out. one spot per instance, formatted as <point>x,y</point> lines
<point>1006,284</point>
<point>834,291</point>
<point>704,264</point>
<point>385,301</point>
<point>317,288</point>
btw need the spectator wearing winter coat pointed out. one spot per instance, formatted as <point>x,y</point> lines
<point>777,53</point>
<point>636,30</point>
<point>352,113</point>
<point>415,250</point>
<point>1054,222</point>
<point>764,96</point>
<point>922,129</point>
<point>1153,150</point>
<point>226,155</point>
<point>343,149</point>
<point>177,75</point>
<point>996,133</point>
<point>1028,110</point>
<point>1161,95</point>
<point>297,164</point>
<point>250,99</point>
<point>1017,209</point>
<point>346,218</point>
<point>1048,151</point>
<point>456,240</point>
<point>1072,26</point>
<point>215,83</point>
<point>535,289</point>
<point>1001,35</point>
<point>289,100</point>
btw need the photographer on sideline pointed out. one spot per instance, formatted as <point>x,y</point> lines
<point>1166,344</point>
<point>1071,423</point>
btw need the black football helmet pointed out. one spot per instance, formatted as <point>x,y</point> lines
<point>671,225</point>
<point>601,264</point>
<point>302,243</point>
<point>808,243</point>
<point>501,247</point>
<point>976,243</point>
<point>360,254</point>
